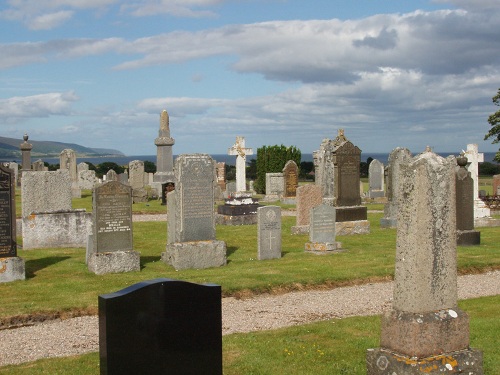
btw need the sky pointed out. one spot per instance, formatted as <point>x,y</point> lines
<point>391,73</point>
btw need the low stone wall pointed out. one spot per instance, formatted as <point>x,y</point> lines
<point>56,229</point>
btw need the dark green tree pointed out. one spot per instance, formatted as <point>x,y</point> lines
<point>272,159</point>
<point>103,168</point>
<point>494,121</point>
<point>149,167</point>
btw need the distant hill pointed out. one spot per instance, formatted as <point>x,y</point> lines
<point>9,148</point>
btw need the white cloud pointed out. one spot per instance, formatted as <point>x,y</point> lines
<point>177,8</point>
<point>48,21</point>
<point>43,105</point>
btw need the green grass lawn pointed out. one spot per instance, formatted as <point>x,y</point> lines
<point>336,346</point>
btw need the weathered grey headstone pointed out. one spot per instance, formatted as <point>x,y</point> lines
<point>47,216</point>
<point>45,192</point>
<point>425,325</point>
<point>324,170</point>
<point>38,165</point>
<point>164,157</point>
<point>12,267</point>
<point>466,235</point>
<point>308,196</point>
<point>230,188</point>
<point>322,230</point>
<point>274,186</point>
<point>495,183</point>
<point>376,179</point>
<point>136,180</point>
<point>111,175</point>
<point>192,243</point>
<point>161,326</point>
<point>111,250</point>
<point>67,160</point>
<point>87,179</point>
<point>397,157</point>
<point>269,232</point>
<point>82,167</point>
<point>15,168</point>
<point>291,176</point>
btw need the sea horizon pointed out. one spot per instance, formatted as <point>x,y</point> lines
<point>228,159</point>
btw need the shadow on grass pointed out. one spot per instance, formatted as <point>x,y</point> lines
<point>35,265</point>
<point>150,259</point>
<point>231,249</point>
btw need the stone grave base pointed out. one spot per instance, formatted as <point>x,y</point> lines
<point>271,198</point>
<point>195,254</point>
<point>376,194</point>
<point>300,229</point>
<point>351,213</point>
<point>12,269</point>
<point>236,219</point>
<point>323,248</point>
<point>468,237</point>
<point>381,362</point>
<point>56,229</point>
<point>347,228</point>
<point>388,223</point>
<point>114,262</point>
<point>289,200</point>
<point>424,335</point>
<point>486,222</point>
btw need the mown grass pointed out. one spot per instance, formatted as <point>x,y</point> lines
<point>336,346</point>
<point>58,279</point>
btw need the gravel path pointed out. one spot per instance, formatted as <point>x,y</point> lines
<point>80,335</point>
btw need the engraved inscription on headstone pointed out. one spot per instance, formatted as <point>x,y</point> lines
<point>322,227</point>
<point>269,232</point>
<point>290,173</point>
<point>8,246</point>
<point>196,198</point>
<point>113,217</point>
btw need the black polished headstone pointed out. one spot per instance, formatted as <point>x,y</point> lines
<point>161,326</point>
<point>8,244</point>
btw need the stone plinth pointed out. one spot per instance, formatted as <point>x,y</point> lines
<point>353,213</point>
<point>383,362</point>
<point>323,247</point>
<point>347,228</point>
<point>56,229</point>
<point>12,269</point>
<point>195,254</point>
<point>114,262</point>
<point>240,210</point>
<point>468,237</point>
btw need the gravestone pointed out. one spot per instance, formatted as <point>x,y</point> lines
<point>80,167</point>
<point>191,216</point>
<point>12,267</point>
<point>308,196</point>
<point>346,159</point>
<point>466,235</point>
<point>110,248</point>
<point>161,326</point>
<point>496,184</point>
<point>322,230</point>
<point>48,219</point>
<point>87,179</point>
<point>425,331</point>
<point>274,186</point>
<point>269,232</point>
<point>324,170</point>
<point>474,158</point>
<point>291,176</point>
<point>221,175</point>
<point>397,157</point>
<point>376,179</point>
<point>15,168</point>
<point>67,160</point>
<point>241,153</point>
<point>38,165</point>
<point>136,181</point>
<point>111,175</point>
<point>164,157</point>
<point>230,189</point>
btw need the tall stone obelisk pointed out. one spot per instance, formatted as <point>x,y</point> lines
<point>26,153</point>
<point>164,158</point>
